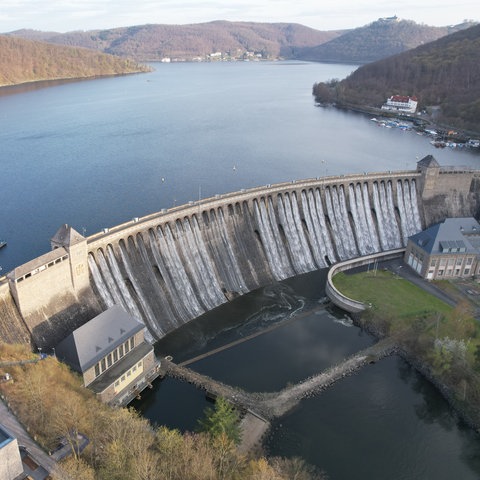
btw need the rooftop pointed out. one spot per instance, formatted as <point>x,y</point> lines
<point>66,236</point>
<point>88,344</point>
<point>453,235</point>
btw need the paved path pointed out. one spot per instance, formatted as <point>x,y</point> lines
<point>253,428</point>
<point>16,429</point>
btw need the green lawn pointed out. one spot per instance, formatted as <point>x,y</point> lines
<point>388,293</point>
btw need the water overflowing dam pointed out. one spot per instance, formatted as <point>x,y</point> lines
<point>177,267</point>
<point>170,267</point>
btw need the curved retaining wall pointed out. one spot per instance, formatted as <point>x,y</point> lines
<point>341,300</point>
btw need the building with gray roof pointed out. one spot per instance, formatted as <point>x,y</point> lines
<point>111,354</point>
<point>450,249</point>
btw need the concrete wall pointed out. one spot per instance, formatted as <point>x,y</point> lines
<point>230,200</point>
<point>449,192</point>
<point>12,326</point>
<point>10,461</point>
<point>57,300</point>
<point>341,300</point>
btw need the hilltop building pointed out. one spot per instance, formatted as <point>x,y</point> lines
<point>401,103</point>
<point>112,355</point>
<point>450,249</point>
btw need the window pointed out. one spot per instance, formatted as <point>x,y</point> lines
<point>123,378</point>
<point>466,271</point>
<point>115,355</point>
<point>469,261</point>
<point>97,369</point>
<point>443,262</point>
<point>127,347</point>
<point>109,360</point>
<point>134,368</point>
<point>129,373</point>
<point>104,366</point>
<point>457,272</point>
<point>117,383</point>
<point>120,349</point>
<point>132,343</point>
<point>433,262</point>
<point>459,260</point>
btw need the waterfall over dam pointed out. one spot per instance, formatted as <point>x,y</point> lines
<point>170,267</point>
<point>183,264</point>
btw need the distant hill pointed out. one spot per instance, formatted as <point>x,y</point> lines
<point>444,73</point>
<point>186,42</point>
<point>24,61</point>
<point>380,39</point>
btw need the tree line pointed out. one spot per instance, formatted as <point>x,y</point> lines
<point>24,61</point>
<point>52,403</point>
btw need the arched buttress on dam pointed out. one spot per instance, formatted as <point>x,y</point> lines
<point>168,268</point>
<point>181,266</point>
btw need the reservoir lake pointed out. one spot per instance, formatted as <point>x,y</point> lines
<point>97,153</point>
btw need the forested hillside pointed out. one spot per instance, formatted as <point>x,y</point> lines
<point>187,42</point>
<point>24,61</point>
<point>378,40</point>
<point>444,73</point>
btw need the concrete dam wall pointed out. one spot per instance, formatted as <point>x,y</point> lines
<point>170,267</point>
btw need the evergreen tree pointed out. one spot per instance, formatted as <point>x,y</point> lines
<point>223,419</point>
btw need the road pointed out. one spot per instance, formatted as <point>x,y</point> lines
<point>16,429</point>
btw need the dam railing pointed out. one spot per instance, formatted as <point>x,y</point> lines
<point>165,215</point>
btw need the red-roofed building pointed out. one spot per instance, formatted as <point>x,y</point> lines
<point>401,103</point>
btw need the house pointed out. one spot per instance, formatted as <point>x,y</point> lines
<point>401,103</point>
<point>450,249</point>
<point>111,354</point>
<point>11,466</point>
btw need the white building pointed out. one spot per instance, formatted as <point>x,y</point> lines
<point>401,103</point>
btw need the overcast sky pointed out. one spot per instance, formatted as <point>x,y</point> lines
<point>68,15</point>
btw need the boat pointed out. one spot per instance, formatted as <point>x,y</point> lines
<point>2,243</point>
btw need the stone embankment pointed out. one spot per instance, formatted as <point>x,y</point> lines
<point>260,408</point>
<point>270,405</point>
<point>288,398</point>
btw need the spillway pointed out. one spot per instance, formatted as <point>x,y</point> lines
<point>175,268</point>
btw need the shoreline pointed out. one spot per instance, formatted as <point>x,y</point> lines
<point>462,413</point>
<point>31,85</point>
<point>421,120</point>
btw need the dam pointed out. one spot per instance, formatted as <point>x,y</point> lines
<point>168,268</point>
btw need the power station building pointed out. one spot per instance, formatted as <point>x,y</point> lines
<point>450,249</point>
<point>111,354</point>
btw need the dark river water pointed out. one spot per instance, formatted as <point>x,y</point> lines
<point>97,153</point>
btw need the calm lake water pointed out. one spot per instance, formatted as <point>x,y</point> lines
<point>93,153</point>
<point>97,153</point>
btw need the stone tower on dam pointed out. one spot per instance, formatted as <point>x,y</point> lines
<point>170,267</point>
